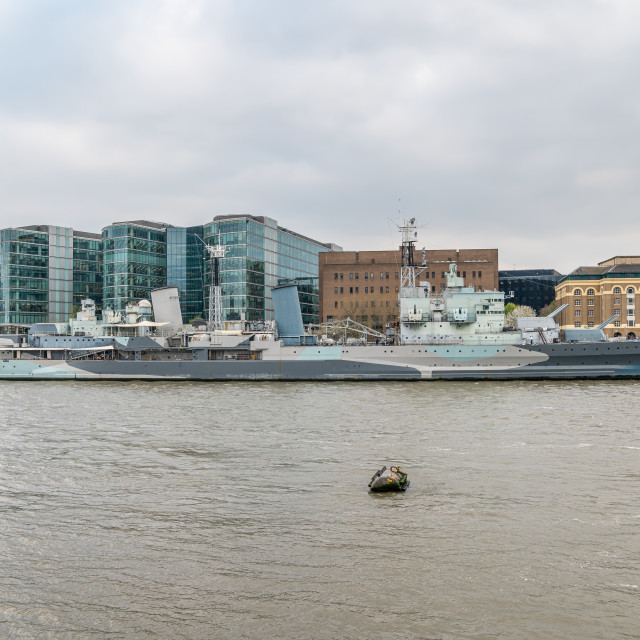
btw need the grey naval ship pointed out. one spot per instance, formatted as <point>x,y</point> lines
<point>457,333</point>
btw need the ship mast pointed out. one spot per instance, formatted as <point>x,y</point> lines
<point>214,320</point>
<point>409,270</point>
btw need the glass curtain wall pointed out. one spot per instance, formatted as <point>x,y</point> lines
<point>242,270</point>
<point>134,262</point>
<point>185,269</point>
<point>24,276</point>
<point>87,269</point>
<point>60,273</point>
<point>258,255</point>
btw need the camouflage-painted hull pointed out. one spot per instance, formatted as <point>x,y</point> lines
<point>407,362</point>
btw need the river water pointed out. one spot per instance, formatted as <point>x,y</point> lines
<point>241,510</point>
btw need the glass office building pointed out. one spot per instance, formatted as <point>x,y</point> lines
<point>258,255</point>
<point>87,268</point>
<point>185,269</point>
<point>535,288</point>
<point>44,269</point>
<point>134,261</point>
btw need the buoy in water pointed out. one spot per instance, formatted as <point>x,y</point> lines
<point>392,479</point>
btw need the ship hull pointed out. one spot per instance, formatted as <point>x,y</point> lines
<point>416,362</point>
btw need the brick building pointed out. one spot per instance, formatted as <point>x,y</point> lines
<point>364,285</point>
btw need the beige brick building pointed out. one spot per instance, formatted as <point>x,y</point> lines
<point>595,294</point>
<point>364,285</point>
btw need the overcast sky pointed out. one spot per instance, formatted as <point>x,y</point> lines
<point>495,123</point>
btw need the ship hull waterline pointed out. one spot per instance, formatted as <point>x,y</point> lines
<point>540,362</point>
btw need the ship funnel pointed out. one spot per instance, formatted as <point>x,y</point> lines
<point>166,307</point>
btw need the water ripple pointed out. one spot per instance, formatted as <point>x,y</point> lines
<point>134,510</point>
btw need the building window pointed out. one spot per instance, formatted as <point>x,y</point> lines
<point>397,289</point>
<point>372,275</point>
<point>578,313</point>
<point>442,275</point>
<point>387,275</point>
<point>577,292</point>
<point>616,301</point>
<point>351,276</point>
<point>357,275</point>
<point>464,274</point>
<point>335,304</point>
<point>366,275</point>
<point>381,289</point>
<point>350,289</point>
<point>386,289</point>
<point>335,289</point>
<point>631,323</point>
<point>591,313</point>
<point>617,290</point>
<point>630,312</point>
<point>577,303</point>
<point>381,276</point>
<point>577,325</point>
<point>341,289</point>
<point>630,291</point>
<point>473,274</point>
<point>591,292</point>
<point>366,289</point>
<point>591,303</point>
<point>397,275</point>
<point>616,323</point>
<point>630,302</point>
<point>590,324</point>
<point>357,289</point>
<point>335,276</point>
<point>341,278</point>
<point>479,274</point>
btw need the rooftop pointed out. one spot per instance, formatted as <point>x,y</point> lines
<point>263,219</point>
<point>144,223</point>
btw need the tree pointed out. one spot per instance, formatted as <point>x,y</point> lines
<point>518,312</point>
<point>508,308</point>
<point>552,306</point>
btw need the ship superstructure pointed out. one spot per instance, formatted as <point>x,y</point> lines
<point>454,315</point>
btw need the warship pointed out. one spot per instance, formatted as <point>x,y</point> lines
<point>457,333</point>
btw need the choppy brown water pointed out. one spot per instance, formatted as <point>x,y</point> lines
<point>241,510</point>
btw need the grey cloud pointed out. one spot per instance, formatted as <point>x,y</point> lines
<point>499,124</point>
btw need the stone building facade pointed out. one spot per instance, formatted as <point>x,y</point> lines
<point>364,285</point>
<point>595,294</point>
